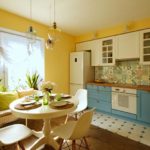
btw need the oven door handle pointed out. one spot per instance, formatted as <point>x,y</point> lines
<point>122,93</point>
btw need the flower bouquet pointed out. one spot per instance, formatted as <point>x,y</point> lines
<point>46,88</point>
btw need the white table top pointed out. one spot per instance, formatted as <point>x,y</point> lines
<point>43,111</point>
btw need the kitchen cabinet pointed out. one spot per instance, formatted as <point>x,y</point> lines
<point>145,47</point>
<point>108,46</point>
<point>83,46</point>
<point>128,46</point>
<point>102,51</point>
<point>143,106</point>
<point>94,47</point>
<point>105,51</point>
<point>99,97</point>
<point>93,100</point>
<point>95,53</point>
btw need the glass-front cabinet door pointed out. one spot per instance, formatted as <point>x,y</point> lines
<point>145,46</point>
<point>107,51</point>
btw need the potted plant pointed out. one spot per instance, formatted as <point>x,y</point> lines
<point>32,80</point>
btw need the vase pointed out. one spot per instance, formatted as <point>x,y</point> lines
<point>46,98</point>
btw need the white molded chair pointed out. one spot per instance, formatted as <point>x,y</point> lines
<point>81,95</point>
<point>74,130</point>
<point>13,134</point>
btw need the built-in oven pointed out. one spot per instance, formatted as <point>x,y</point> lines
<point>124,99</point>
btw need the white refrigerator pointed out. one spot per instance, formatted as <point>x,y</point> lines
<point>81,70</point>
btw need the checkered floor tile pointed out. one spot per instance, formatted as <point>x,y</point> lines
<point>125,128</point>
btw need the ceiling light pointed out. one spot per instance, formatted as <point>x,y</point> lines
<point>49,42</point>
<point>54,32</point>
<point>31,32</point>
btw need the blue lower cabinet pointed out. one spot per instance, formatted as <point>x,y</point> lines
<point>92,87</point>
<point>99,105</point>
<point>99,97</point>
<point>104,96</point>
<point>105,106</point>
<point>143,106</point>
<point>92,102</point>
<point>93,94</point>
<point>124,114</point>
<point>104,88</point>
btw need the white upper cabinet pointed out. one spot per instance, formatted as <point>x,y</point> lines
<point>95,53</point>
<point>107,51</point>
<point>128,46</point>
<point>83,46</point>
<point>94,47</point>
<point>145,46</point>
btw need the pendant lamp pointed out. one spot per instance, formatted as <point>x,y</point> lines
<point>31,33</point>
<point>53,32</point>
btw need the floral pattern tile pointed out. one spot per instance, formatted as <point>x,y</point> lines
<point>126,72</point>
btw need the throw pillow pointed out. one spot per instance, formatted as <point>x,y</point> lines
<point>6,98</point>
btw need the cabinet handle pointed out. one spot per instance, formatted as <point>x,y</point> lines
<point>117,89</point>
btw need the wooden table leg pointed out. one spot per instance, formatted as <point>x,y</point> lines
<point>46,138</point>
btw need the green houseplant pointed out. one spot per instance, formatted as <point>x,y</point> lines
<point>32,80</point>
<point>2,87</point>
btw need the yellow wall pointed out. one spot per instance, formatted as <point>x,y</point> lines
<point>118,29</point>
<point>57,60</point>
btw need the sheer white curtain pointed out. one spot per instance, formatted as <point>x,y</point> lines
<point>18,62</point>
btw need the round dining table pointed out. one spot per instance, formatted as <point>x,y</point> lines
<point>45,112</point>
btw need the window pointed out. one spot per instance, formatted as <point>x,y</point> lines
<point>15,61</point>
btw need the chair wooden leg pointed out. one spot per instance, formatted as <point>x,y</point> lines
<point>17,146</point>
<point>66,119</point>
<point>73,145</point>
<point>26,122</point>
<point>2,148</point>
<point>21,145</point>
<point>76,116</point>
<point>87,146</point>
<point>61,144</point>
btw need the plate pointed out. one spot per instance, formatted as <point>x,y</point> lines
<point>65,96</point>
<point>40,95</point>
<point>27,102</point>
<point>53,94</point>
<point>59,103</point>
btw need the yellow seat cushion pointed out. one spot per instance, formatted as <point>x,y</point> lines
<point>6,98</point>
<point>27,92</point>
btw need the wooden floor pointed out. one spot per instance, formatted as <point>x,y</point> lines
<point>98,139</point>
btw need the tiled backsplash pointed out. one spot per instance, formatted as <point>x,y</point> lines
<point>126,72</point>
